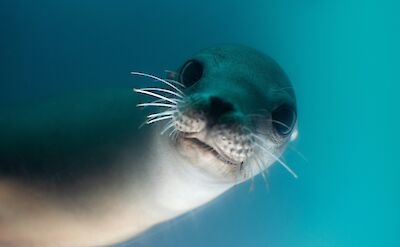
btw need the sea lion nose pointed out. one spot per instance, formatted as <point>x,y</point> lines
<point>218,107</point>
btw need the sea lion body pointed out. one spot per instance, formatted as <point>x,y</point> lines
<point>77,170</point>
<point>96,177</point>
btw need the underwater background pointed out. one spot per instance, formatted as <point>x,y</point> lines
<point>342,57</point>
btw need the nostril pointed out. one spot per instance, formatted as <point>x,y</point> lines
<point>219,106</point>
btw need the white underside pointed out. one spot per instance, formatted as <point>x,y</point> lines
<point>170,188</point>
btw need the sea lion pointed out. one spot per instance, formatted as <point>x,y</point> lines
<point>77,171</point>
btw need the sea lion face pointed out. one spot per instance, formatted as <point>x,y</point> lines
<point>234,114</point>
<point>238,114</point>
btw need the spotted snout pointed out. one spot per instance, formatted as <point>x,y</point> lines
<point>233,141</point>
<point>216,123</point>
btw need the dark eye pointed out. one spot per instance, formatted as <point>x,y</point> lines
<point>191,72</point>
<point>283,119</point>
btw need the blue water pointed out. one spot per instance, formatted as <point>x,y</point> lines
<point>342,57</point>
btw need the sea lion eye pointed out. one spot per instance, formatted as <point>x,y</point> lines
<point>191,72</point>
<point>283,119</point>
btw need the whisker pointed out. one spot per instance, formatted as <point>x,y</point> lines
<point>158,119</point>
<point>258,162</point>
<point>274,156</point>
<point>175,135</point>
<point>298,153</point>
<point>170,74</point>
<point>279,122</point>
<point>255,115</point>
<point>152,102</point>
<point>168,126</point>
<point>267,120</point>
<point>156,104</point>
<point>174,101</point>
<point>161,114</point>
<point>142,124</point>
<point>149,118</point>
<point>158,101</point>
<point>259,113</point>
<point>158,79</point>
<point>161,90</point>
<point>176,82</point>
<point>277,159</point>
<point>169,71</point>
<point>252,184</point>
<point>172,132</point>
<point>270,153</point>
<point>238,168</point>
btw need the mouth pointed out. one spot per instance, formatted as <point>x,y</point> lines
<point>210,150</point>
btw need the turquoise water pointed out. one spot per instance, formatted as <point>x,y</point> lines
<point>342,57</point>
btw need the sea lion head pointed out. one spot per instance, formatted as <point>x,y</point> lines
<point>231,111</point>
